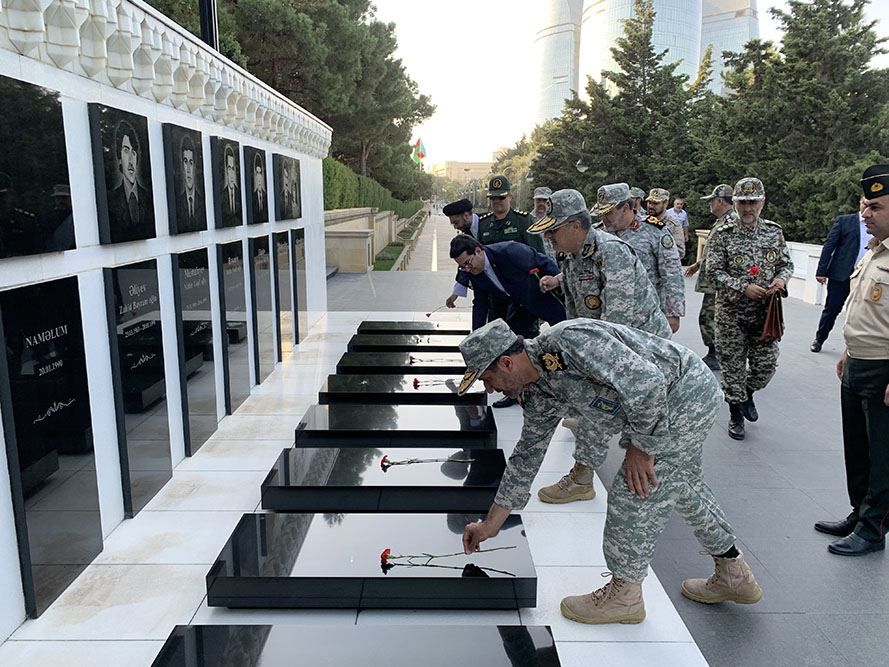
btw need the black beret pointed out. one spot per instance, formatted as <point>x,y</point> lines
<point>875,181</point>
<point>457,207</point>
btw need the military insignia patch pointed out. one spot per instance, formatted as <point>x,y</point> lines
<point>771,256</point>
<point>496,183</point>
<point>552,361</point>
<point>667,241</point>
<point>588,249</point>
<point>601,197</point>
<point>549,207</point>
<point>748,188</point>
<point>592,301</point>
<point>561,256</point>
<point>582,277</point>
<point>876,187</point>
<point>510,230</point>
<point>876,292</point>
<point>468,378</point>
<point>738,260</point>
<point>605,405</point>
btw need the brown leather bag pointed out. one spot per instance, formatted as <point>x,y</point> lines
<point>773,328</point>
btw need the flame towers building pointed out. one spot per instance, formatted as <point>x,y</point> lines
<point>557,45</point>
<point>728,25</point>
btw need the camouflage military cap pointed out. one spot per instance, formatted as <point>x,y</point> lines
<point>875,181</point>
<point>481,348</point>
<point>542,193</point>
<point>563,205</point>
<point>721,190</point>
<point>609,196</point>
<point>749,189</point>
<point>637,193</point>
<point>499,186</point>
<point>658,194</point>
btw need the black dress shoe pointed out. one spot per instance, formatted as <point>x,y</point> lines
<point>855,545</point>
<point>504,402</point>
<point>815,346</point>
<point>838,528</point>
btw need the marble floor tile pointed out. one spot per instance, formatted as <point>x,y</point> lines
<point>275,405</point>
<point>209,491</point>
<point>76,653</point>
<point>220,455</point>
<point>121,602</point>
<point>244,427</point>
<point>618,654</point>
<point>565,538</point>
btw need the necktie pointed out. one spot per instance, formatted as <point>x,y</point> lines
<point>190,206</point>
<point>134,208</point>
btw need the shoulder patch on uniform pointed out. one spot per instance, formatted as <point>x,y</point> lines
<point>651,220</point>
<point>667,241</point>
<point>592,301</point>
<point>605,405</point>
<point>552,361</point>
<point>588,249</point>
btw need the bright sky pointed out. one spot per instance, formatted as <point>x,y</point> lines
<point>449,50</point>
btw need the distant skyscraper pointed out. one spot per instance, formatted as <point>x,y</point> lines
<point>557,46</point>
<point>728,25</point>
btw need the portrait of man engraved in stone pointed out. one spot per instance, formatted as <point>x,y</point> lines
<point>226,182</point>
<point>287,188</point>
<point>125,199</point>
<point>258,202</point>
<point>183,154</point>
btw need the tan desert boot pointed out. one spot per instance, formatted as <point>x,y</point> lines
<point>731,582</point>
<point>618,601</point>
<point>576,485</point>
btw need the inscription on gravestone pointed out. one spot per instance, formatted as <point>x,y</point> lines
<point>236,362</point>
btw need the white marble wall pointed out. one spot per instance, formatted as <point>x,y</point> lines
<point>124,54</point>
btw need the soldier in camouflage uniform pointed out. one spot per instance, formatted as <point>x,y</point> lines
<point>748,261</point>
<point>722,207</point>
<point>658,214</point>
<point>654,247</point>
<point>637,195</point>
<point>664,400</point>
<point>601,279</point>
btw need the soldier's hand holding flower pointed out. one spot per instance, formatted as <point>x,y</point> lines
<point>548,283</point>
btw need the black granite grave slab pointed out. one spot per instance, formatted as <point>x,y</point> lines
<point>405,343</point>
<point>374,480</point>
<point>349,425</point>
<point>397,363</point>
<point>403,389</point>
<point>370,561</point>
<point>358,645</point>
<point>421,327</point>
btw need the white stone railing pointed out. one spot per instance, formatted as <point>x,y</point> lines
<point>131,46</point>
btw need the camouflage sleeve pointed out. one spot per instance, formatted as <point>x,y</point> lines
<point>670,271</point>
<point>717,264</point>
<point>620,299</point>
<point>640,385</point>
<point>541,420</point>
<point>784,265</point>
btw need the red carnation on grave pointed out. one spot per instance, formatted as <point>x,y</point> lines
<point>384,463</point>
<point>416,383</point>
<point>384,556</point>
<point>753,271</point>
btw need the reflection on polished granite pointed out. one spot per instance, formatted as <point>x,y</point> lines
<point>407,327</point>
<point>397,426</point>
<point>373,480</point>
<point>394,363</point>
<point>370,561</point>
<point>341,646</point>
<point>405,343</point>
<point>403,389</point>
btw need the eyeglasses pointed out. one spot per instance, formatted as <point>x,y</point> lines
<point>465,266</point>
<point>497,198</point>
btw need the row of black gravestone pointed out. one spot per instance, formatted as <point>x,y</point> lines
<point>367,511</point>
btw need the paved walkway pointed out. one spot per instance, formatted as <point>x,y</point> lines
<point>818,609</point>
<point>431,251</point>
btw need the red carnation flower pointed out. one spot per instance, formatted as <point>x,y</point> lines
<point>384,556</point>
<point>384,463</point>
<point>753,271</point>
<point>416,383</point>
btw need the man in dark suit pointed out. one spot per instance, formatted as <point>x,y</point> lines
<point>191,215</point>
<point>130,208</point>
<point>509,271</point>
<point>845,246</point>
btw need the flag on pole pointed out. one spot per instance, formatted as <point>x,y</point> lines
<point>419,152</point>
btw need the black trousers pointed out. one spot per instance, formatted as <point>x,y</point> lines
<point>837,291</point>
<point>866,443</point>
<point>522,322</point>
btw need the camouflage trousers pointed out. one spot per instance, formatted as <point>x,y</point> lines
<point>707,319</point>
<point>633,524</point>
<point>748,361</point>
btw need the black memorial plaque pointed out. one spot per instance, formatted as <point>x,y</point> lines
<point>194,323</point>
<point>405,343</point>
<point>401,389</point>
<point>426,327</point>
<point>49,439</point>
<point>288,197</point>
<point>370,561</point>
<point>233,304</point>
<point>35,192</point>
<point>137,363</point>
<point>348,646</point>
<point>374,480</point>
<point>263,311</point>
<point>226,159</point>
<point>300,298</point>
<point>256,185</point>
<point>285,288</point>
<point>122,166</point>
<point>401,363</point>
<point>184,162</point>
<point>347,425</point>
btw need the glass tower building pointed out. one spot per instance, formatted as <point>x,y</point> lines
<point>728,25</point>
<point>557,45</point>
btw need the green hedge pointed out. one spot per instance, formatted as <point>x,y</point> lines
<point>343,188</point>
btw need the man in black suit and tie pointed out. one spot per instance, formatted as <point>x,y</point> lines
<point>130,208</point>
<point>845,246</point>
<point>190,211</point>
<point>260,214</point>
<point>231,198</point>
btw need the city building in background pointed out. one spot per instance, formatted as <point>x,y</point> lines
<point>728,25</point>
<point>557,45</point>
<point>462,172</point>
